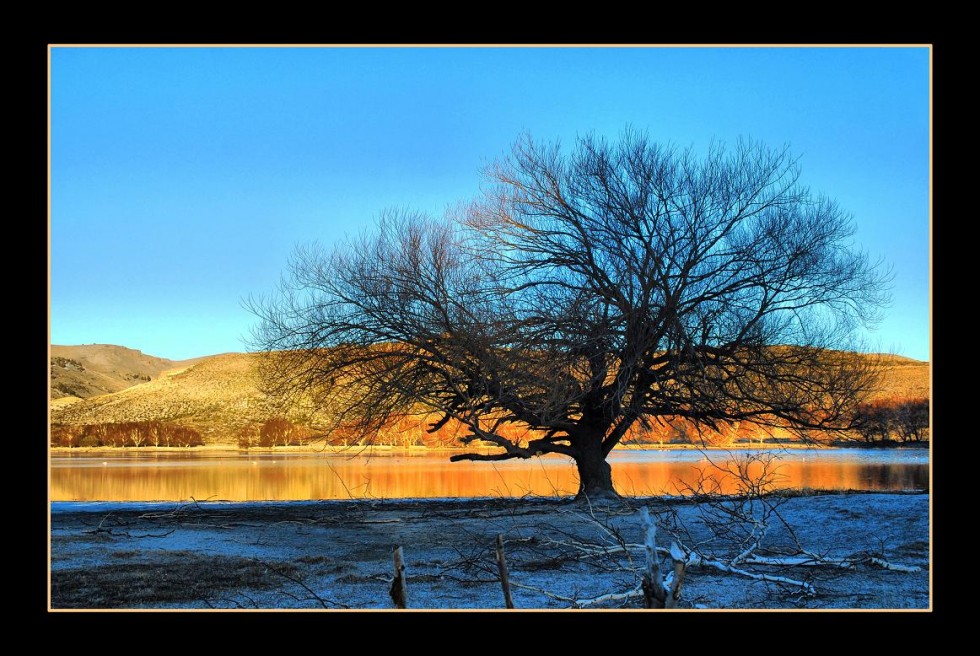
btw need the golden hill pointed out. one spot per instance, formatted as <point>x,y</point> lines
<point>218,395</point>
<point>215,395</point>
<point>904,377</point>
<point>80,372</point>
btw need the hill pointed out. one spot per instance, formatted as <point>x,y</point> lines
<point>216,395</point>
<point>81,372</point>
<point>904,377</point>
<point>219,395</point>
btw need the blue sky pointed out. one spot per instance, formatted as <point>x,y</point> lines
<point>182,178</point>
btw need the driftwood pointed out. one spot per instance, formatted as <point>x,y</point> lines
<point>682,557</point>
<point>660,591</point>
<point>399,591</point>
<point>654,595</point>
<point>680,567</point>
<point>504,576</point>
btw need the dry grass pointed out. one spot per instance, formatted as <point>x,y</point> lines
<point>95,369</point>
<point>905,378</point>
<point>180,576</point>
<point>214,395</point>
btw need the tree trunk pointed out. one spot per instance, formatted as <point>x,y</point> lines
<point>594,473</point>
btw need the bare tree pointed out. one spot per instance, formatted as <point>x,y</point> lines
<point>584,293</point>
<point>276,430</point>
<point>912,419</point>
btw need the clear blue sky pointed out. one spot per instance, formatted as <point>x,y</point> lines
<point>181,178</point>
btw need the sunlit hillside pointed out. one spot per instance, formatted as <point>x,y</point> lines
<point>215,395</point>
<point>219,396</point>
<point>93,369</point>
<point>904,377</point>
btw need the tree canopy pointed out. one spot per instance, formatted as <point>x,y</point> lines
<point>586,291</point>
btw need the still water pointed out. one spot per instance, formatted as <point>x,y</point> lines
<point>234,476</point>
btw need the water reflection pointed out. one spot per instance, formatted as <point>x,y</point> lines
<point>287,477</point>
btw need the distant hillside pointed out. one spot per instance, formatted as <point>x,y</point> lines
<point>89,370</point>
<point>215,395</point>
<point>904,377</point>
<point>218,395</point>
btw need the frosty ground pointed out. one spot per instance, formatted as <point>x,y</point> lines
<point>338,554</point>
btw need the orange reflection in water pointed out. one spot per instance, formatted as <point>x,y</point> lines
<point>289,477</point>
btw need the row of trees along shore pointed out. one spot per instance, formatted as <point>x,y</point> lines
<point>886,421</point>
<point>904,420</point>
<point>129,433</point>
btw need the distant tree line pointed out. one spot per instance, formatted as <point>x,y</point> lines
<point>886,421</point>
<point>275,431</point>
<point>130,433</point>
<point>414,431</point>
<point>893,420</point>
<point>404,432</point>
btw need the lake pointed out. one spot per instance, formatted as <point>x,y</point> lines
<point>381,474</point>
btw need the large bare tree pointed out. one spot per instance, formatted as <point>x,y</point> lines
<point>585,292</point>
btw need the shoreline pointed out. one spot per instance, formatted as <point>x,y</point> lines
<point>568,499</point>
<point>231,448</point>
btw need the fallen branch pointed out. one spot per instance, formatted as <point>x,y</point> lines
<point>884,564</point>
<point>694,560</point>
<point>806,559</point>
<point>654,594</point>
<point>116,532</point>
<point>576,602</point>
<point>618,596</point>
